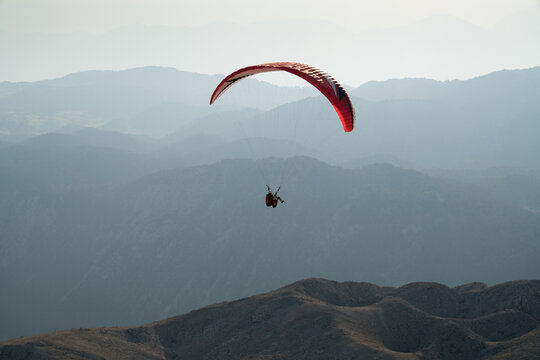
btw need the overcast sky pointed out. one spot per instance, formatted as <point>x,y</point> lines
<point>358,21</point>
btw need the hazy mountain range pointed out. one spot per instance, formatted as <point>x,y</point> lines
<point>483,122</point>
<point>321,319</point>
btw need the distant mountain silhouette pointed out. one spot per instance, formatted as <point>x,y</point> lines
<point>517,186</point>
<point>322,319</point>
<point>377,159</point>
<point>401,89</point>
<point>92,158</point>
<point>92,137</point>
<point>53,163</point>
<point>142,100</point>
<point>487,121</point>
<point>159,120</point>
<point>504,85</point>
<point>198,150</point>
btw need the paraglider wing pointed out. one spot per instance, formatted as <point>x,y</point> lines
<point>325,83</point>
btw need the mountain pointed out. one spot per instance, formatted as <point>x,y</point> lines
<point>517,186</point>
<point>143,100</point>
<point>377,159</point>
<point>95,138</point>
<point>56,162</point>
<point>395,89</point>
<point>179,239</point>
<point>505,85</point>
<point>93,158</point>
<point>159,120</point>
<point>7,87</point>
<point>209,149</point>
<point>167,85</point>
<point>322,319</point>
<point>488,122</point>
<point>483,122</point>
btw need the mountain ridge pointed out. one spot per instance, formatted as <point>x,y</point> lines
<point>319,319</point>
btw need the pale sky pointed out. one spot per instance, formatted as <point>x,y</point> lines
<point>355,40</point>
<point>99,16</point>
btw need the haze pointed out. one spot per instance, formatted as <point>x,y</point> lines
<point>356,41</point>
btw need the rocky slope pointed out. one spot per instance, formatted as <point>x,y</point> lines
<point>322,319</point>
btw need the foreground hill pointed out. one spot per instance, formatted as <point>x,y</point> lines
<point>322,319</point>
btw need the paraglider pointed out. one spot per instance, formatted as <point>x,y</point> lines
<point>273,198</point>
<point>321,80</point>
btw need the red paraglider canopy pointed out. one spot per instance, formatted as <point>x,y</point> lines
<point>325,83</point>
